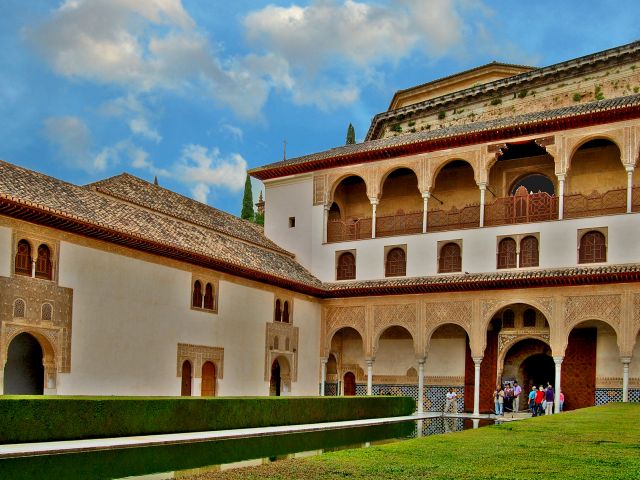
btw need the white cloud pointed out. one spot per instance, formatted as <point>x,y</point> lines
<point>232,131</point>
<point>133,110</point>
<point>205,168</point>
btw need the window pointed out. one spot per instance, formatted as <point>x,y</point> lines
<point>529,318</point>
<point>278,312</point>
<point>396,265</point>
<point>292,222</point>
<point>19,308</point>
<point>197,295</point>
<point>23,258</point>
<point>593,248</point>
<point>43,264</point>
<point>285,312</point>
<point>507,253</point>
<point>529,252</point>
<point>450,258</point>
<point>346,266</point>
<point>46,312</point>
<point>508,319</point>
<point>208,297</point>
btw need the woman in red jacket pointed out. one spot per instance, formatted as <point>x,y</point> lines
<point>539,399</point>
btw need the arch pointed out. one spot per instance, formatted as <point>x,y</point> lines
<point>19,308</point>
<point>335,212</point>
<point>332,333</point>
<point>450,258</point>
<point>432,329</point>
<point>529,302</point>
<point>46,312</point>
<point>448,161</point>
<point>507,253</point>
<point>280,376</point>
<point>24,371</point>
<point>44,268</point>
<point>196,300</point>
<point>529,318</point>
<point>510,343</point>
<point>385,328</point>
<point>589,317</point>
<point>589,138</point>
<point>208,386</point>
<point>208,296</point>
<point>538,346</point>
<point>346,266</point>
<point>593,247</point>
<point>277,315</point>
<point>285,312</point>
<point>534,182</point>
<point>529,252</point>
<point>396,263</point>
<point>187,374</point>
<point>340,179</point>
<point>508,319</point>
<point>349,384</point>
<point>386,174</point>
<point>23,259</point>
<point>332,364</point>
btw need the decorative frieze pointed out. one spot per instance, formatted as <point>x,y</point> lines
<point>403,315</point>
<point>606,308</point>
<point>338,317</point>
<point>281,341</point>
<point>439,313</point>
<point>198,355</point>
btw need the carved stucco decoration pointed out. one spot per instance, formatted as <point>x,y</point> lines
<point>472,157</point>
<point>572,143</point>
<point>440,313</point>
<point>385,316</point>
<point>54,335</point>
<point>339,317</point>
<point>354,368</point>
<point>281,341</point>
<point>636,315</point>
<point>508,340</point>
<point>616,382</point>
<point>490,307</point>
<point>198,355</point>
<point>606,308</point>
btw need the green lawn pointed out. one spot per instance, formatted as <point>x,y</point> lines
<point>594,443</point>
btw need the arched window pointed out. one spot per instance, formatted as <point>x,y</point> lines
<point>529,318</point>
<point>593,248</point>
<point>43,264</point>
<point>23,258</point>
<point>278,312</point>
<point>529,252</point>
<point>346,266</point>
<point>450,258</point>
<point>508,319</point>
<point>507,253</point>
<point>197,294</point>
<point>285,312</point>
<point>19,308</point>
<point>396,263</point>
<point>208,297</point>
<point>46,312</point>
<point>185,388</point>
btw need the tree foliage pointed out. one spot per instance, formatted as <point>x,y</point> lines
<point>351,135</point>
<point>247,202</point>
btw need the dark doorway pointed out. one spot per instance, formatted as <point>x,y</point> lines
<point>537,370</point>
<point>185,389</point>
<point>275,379</point>
<point>349,384</point>
<point>24,371</point>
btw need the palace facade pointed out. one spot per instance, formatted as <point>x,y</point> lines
<point>485,231</point>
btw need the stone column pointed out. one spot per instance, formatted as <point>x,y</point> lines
<point>483,191</point>
<point>369,377</point>
<point>425,210</point>
<point>374,205</point>
<point>558,386</point>
<point>629,170</point>
<point>420,384</point>
<point>476,385</point>
<point>625,378</point>
<point>561,178</point>
<point>325,223</point>
<point>323,380</point>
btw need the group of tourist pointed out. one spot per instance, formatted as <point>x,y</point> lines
<point>507,399</point>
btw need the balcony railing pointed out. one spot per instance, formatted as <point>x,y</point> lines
<point>399,224</point>
<point>534,207</point>
<point>595,204</point>
<point>355,229</point>
<point>454,219</point>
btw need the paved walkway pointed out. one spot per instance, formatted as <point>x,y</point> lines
<point>71,446</point>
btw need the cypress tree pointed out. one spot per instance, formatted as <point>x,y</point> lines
<point>247,201</point>
<point>351,135</point>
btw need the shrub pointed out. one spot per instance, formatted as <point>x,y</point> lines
<point>396,128</point>
<point>523,93</point>
<point>441,115</point>
<point>496,101</point>
<point>577,97</point>
<point>598,93</point>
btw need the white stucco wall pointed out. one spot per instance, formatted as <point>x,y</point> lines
<point>607,355</point>
<point>129,315</point>
<point>446,357</point>
<point>6,251</point>
<point>291,197</point>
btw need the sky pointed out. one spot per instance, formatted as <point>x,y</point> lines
<point>196,92</point>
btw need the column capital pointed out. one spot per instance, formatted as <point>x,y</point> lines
<point>374,200</point>
<point>477,360</point>
<point>482,185</point>
<point>561,176</point>
<point>558,359</point>
<point>324,360</point>
<point>327,207</point>
<point>426,195</point>
<point>421,361</point>
<point>629,168</point>
<point>625,360</point>
<point>370,362</point>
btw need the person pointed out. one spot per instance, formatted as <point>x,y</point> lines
<point>561,406</point>
<point>452,401</point>
<point>508,398</point>
<point>517,390</point>
<point>549,397</point>
<point>532,400</point>
<point>539,400</point>
<point>499,399</point>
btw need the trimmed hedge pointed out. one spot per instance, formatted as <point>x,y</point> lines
<point>40,419</point>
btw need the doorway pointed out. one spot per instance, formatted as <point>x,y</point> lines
<point>349,384</point>
<point>24,370</point>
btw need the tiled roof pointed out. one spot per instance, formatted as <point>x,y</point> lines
<point>455,131</point>
<point>81,204</point>
<point>135,190</point>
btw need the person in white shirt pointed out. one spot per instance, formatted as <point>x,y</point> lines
<point>452,401</point>
<point>517,390</point>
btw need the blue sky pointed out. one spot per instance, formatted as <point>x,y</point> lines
<point>197,91</point>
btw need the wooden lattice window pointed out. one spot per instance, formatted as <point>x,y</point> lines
<point>507,253</point>
<point>23,258</point>
<point>450,258</point>
<point>346,266</point>
<point>508,319</point>
<point>46,312</point>
<point>593,248</point>
<point>278,311</point>
<point>529,256</point>
<point>208,297</point>
<point>43,264</point>
<point>19,308</point>
<point>396,263</point>
<point>197,294</point>
<point>529,318</point>
<point>285,312</point>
